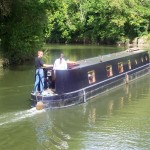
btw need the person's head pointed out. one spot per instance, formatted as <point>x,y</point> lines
<point>61,55</point>
<point>40,53</point>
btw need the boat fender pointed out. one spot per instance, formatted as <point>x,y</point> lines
<point>126,78</point>
<point>39,105</point>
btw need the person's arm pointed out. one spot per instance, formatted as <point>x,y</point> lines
<point>47,65</point>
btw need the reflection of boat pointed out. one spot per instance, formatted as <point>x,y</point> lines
<point>88,78</point>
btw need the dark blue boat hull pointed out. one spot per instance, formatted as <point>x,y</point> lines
<point>84,94</point>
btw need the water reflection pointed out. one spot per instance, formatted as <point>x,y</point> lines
<point>3,72</point>
<point>49,135</point>
<point>76,52</point>
<point>118,119</point>
<point>114,120</point>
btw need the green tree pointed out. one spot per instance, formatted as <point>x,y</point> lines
<point>138,17</point>
<point>23,30</point>
<point>26,25</point>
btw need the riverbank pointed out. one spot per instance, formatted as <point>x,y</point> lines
<point>1,63</point>
<point>4,62</point>
<point>142,43</point>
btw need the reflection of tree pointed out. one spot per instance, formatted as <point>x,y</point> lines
<point>77,52</point>
<point>1,72</point>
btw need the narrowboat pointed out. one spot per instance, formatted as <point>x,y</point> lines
<point>88,78</point>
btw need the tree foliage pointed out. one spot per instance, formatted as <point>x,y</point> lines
<point>26,25</point>
<point>99,21</point>
<point>23,29</point>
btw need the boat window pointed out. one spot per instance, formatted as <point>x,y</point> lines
<point>129,64</point>
<point>136,61</point>
<point>91,77</point>
<point>120,67</point>
<point>146,58</point>
<point>109,70</point>
<point>142,59</point>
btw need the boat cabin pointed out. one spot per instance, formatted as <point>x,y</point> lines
<point>91,71</point>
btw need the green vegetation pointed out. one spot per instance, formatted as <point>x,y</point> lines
<point>26,25</point>
<point>22,29</point>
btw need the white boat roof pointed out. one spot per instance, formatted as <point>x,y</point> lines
<point>104,58</point>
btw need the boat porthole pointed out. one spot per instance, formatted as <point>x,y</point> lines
<point>129,64</point>
<point>91,77</point>
<point>109,71</point>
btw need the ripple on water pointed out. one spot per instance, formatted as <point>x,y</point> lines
<point>12,117</point>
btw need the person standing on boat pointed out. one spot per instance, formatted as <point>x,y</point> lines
<point>39,73</point>
<point>60,63</point>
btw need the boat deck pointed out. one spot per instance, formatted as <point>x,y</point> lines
<point>104,58</point>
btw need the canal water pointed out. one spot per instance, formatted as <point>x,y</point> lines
<point>116,120</point>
